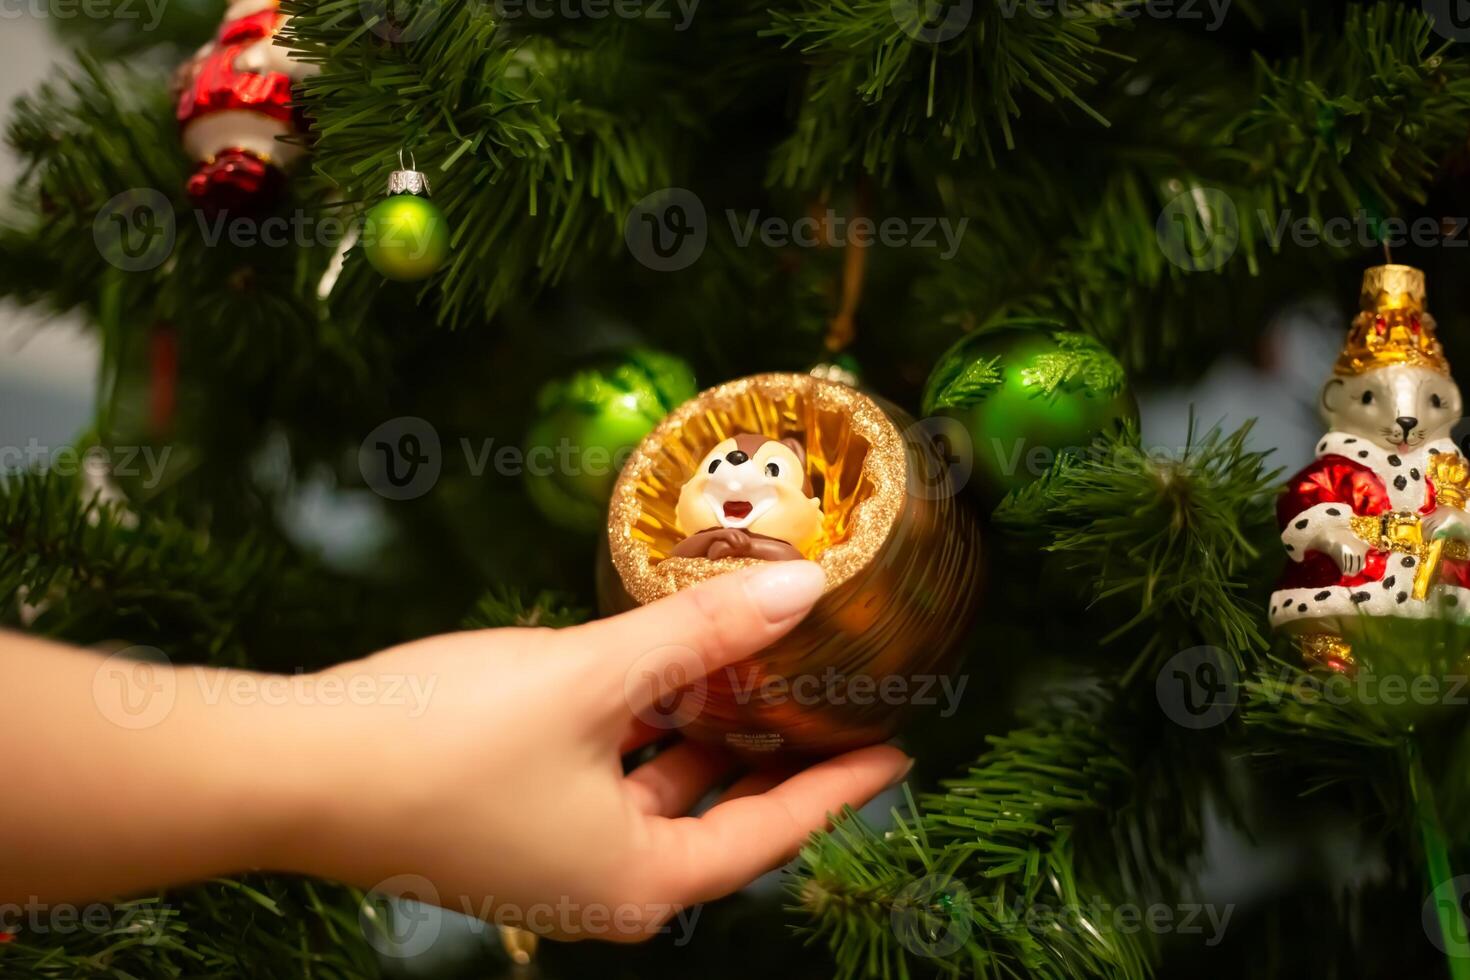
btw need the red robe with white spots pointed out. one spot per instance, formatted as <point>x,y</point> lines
<point>1354,475</point>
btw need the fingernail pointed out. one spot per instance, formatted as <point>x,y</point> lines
<point>780,590</point>
<point>903,773</point>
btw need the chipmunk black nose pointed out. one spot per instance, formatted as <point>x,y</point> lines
<point>736,457</point>
<point>1406,422</point>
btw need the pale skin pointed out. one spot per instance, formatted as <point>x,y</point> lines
<point>500,782</point>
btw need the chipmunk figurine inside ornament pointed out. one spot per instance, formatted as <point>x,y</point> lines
<point>750,497</point>
<point>1375,526</point>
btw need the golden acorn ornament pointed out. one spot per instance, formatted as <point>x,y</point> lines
<point>900,551</point>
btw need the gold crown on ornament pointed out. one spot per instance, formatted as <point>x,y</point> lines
<point>1393,327</point>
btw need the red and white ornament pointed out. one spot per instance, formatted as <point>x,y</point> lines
<point>234,105</point>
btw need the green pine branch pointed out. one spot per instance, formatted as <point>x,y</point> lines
<point>885,76</point>
<point>1171,533</point>
<point>984,879</point>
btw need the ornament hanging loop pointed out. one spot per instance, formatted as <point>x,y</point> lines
<point>408,179</point>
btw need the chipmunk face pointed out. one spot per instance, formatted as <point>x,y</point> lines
<point>1399,407</point>
<point>753,483</point>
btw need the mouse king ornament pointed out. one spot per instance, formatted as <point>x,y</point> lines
<point>750,498</point>
<point>1376,526</point>
<point>234,102</point>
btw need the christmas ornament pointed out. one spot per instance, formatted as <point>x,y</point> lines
<point>750,497</point>
<point>405,236</point>
<point>1376,526</point>
<point>234,105</point>
<point>1025,397</point>
<point>587,424</point>
<point>900,552</point>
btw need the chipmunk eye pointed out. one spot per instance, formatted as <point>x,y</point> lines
<point>714,464</point>
<point>1367,398</point>
<point>1435,401</point>
<point>772,469</point>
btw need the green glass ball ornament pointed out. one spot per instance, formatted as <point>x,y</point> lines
<point>588,424</point>
<point>405,236</point>
<point>1026,396</point>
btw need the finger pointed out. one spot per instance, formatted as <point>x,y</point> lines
<point>738,841</point>
<point>677,641</point>
<point>675,780</point>
<point>753,784</point>
<point>639,734</point>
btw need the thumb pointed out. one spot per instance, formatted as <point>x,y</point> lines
<point>667,645</point>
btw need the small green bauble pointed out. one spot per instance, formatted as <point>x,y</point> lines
<point>1026,396</point>
<point>589,423</point>
<point>406,237</point>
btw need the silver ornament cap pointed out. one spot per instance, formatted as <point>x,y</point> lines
<point>408,182</point>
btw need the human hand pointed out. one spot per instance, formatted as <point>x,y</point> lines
<point>506,795</point>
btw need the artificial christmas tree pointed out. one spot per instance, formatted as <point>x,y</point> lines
<point>755,189</point>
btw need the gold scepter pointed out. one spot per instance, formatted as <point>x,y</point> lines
<point>1402,531</point>
<point>1450,475</point>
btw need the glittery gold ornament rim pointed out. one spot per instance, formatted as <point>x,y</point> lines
<point>860,508</point>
